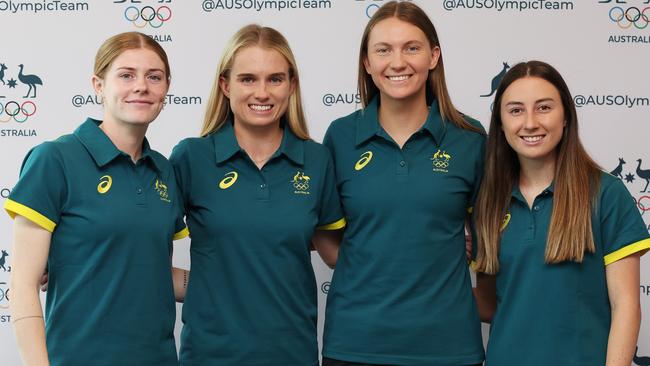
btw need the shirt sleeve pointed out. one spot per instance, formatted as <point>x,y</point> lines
<point>40,193</point>
<point>330,216</point>
<point>181,174</point>
<point>623,231</point>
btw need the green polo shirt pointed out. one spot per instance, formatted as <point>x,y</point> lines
<point>559,314</point>
<point>110,298</point>
<point>252,296</point>
<point>401,292</point>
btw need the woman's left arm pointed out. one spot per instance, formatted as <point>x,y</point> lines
<point>623,287</point>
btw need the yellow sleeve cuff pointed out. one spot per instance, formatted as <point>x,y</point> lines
<point>181,234</point>
<point>340,224</point>
<point>473,265</point>
<point>642,245</point>
<point>14,208</point>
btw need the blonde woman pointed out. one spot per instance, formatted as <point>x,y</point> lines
<point>256,190</point>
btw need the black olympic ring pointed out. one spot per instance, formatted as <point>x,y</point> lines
<point>154,17</point>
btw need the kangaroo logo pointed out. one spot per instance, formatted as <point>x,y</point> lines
<point>441,161</point>
<point>619,169</point>
<point>161,188</point>
<point>105,183</point>
<point>363,161</point>
<point>640,360</point>
<point>228,180</point>
<point>301,183</point>
<point>2,73</point>
<point>497,79</point>
<point>3,261</point>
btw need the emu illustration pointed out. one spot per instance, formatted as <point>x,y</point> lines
<point>30,80</point>
<point>643,173</point>
<point>2,260</point>
<point>619,169</point>
<point>497,79</point>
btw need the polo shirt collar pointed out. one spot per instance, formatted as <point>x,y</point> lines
<point>292,147</point>
<point>226,145</point>
<point>368,126</point>
<point>225,142</point>
<point>102,149</point>
<point>516,192</point>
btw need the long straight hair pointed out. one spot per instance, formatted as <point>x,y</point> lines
<point>218,106</point>
<point>576,181</point>
<point>436,86</point>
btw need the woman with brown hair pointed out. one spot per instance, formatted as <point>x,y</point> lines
<point>408,167</point>
<point>562,237</point>
<point>98,208</point>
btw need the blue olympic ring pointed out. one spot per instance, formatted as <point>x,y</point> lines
<point>371,6</point>
<point>19,112</point>
<point>631,16</point>
<point>148,15</point>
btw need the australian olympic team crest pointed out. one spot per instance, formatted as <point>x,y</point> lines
<point>636,177</point>
<point>441,161</point>
<point>148,16</point>
<point>19,84</point>
<point>161,189</point>
<point>300,183</point>
<point>631,17</point>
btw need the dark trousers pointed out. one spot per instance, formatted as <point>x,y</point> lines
<point>332,362</point>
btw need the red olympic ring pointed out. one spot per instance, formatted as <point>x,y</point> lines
<point>642,206</point>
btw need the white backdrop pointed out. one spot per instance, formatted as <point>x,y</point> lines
<point>601,47</point>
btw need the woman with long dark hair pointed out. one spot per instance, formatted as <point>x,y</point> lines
<point>561,237</point>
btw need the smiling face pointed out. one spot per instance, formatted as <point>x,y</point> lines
<point>399,59</point>
<point>532,118</point>
<point>258,87</point>
<point>133,88</point>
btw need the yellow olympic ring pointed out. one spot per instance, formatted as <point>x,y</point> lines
<point>229,180</point>
<point>440,164</point>
<point>105,183</point>
<point>505,222</point>
<point>365,159</point>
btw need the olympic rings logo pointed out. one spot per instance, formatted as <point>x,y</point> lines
<point>643,207</point>
<point>18,112</point>
<point>633,15</point>
<point>301,186</point>
<point>148,15</point>
<point>440,164</point>
<point>4,295</point>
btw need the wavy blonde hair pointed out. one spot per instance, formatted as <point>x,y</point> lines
<point>218,107</point>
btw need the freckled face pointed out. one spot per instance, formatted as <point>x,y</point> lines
<point>134,87</point>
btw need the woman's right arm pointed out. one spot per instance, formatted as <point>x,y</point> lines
<point>31,245</point>
<point>486,296</point>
